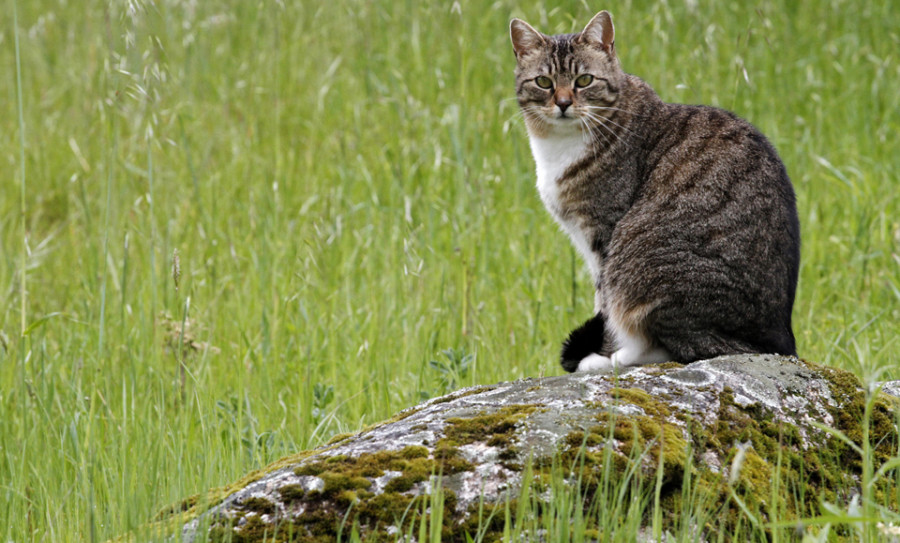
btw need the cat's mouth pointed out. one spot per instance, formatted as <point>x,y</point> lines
<point>559,117</point>
<point>563,116</point>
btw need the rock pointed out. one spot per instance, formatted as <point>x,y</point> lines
<point>738,419</point>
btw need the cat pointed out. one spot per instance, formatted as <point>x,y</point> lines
<point>684,215</point>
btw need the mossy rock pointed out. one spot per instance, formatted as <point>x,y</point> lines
<point>738,423</point>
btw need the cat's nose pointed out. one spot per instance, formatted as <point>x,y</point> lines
<point>563,104</point>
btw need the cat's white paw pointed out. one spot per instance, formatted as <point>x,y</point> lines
<point>594,362</point>
<point>622,357</point>
<point>630,356</point>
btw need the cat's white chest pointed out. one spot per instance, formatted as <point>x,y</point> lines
<point>553,156</point>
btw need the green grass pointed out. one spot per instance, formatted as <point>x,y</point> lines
<point>350,193</point>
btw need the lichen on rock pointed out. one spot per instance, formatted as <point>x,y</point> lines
<point>737,424</point>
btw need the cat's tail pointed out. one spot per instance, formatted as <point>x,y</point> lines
<point>587,339</point>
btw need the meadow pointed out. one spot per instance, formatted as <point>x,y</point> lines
<point>230,230</point>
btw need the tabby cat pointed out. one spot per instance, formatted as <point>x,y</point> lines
<point>684,215</point>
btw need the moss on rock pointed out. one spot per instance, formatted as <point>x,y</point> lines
<point>737,429</point>
<point>346,496</point>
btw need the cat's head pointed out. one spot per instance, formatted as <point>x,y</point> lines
<point>566,80</point>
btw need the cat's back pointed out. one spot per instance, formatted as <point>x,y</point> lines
<point>704,161</point>
<point>684,141</point>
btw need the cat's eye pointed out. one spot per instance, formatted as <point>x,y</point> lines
<point>543,82</point>
<point>584,80</point>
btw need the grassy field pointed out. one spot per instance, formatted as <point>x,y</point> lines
<point>337,200</point>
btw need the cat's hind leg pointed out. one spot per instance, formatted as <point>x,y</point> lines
<point>633,344</point>
<point>637,351</point>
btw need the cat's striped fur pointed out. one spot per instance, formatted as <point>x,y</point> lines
<point>684,215</point>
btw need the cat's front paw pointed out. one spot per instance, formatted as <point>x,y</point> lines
<point>595,362</point>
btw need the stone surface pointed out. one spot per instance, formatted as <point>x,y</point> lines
<point>478,439</point>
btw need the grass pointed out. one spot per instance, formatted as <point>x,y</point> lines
<point>350,193</point>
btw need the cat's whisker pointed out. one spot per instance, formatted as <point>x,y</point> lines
<point>601,123</point>
<point>625,128</point>
<point>518,114</point>
<point>594,130</point>
<point>600,119</point>
<point>540,121</point>
<point>530,110</point>
<point>597,130</point>
<point>610,108</point>
<point>593,134</point>
<point>586,134</point>
<point>614,134</point>
<point>529,113</point>
<point>607,119</point>
<point>533,113</point>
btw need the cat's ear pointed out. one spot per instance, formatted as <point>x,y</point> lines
<point>524,38</point>
<point>600,32</point>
